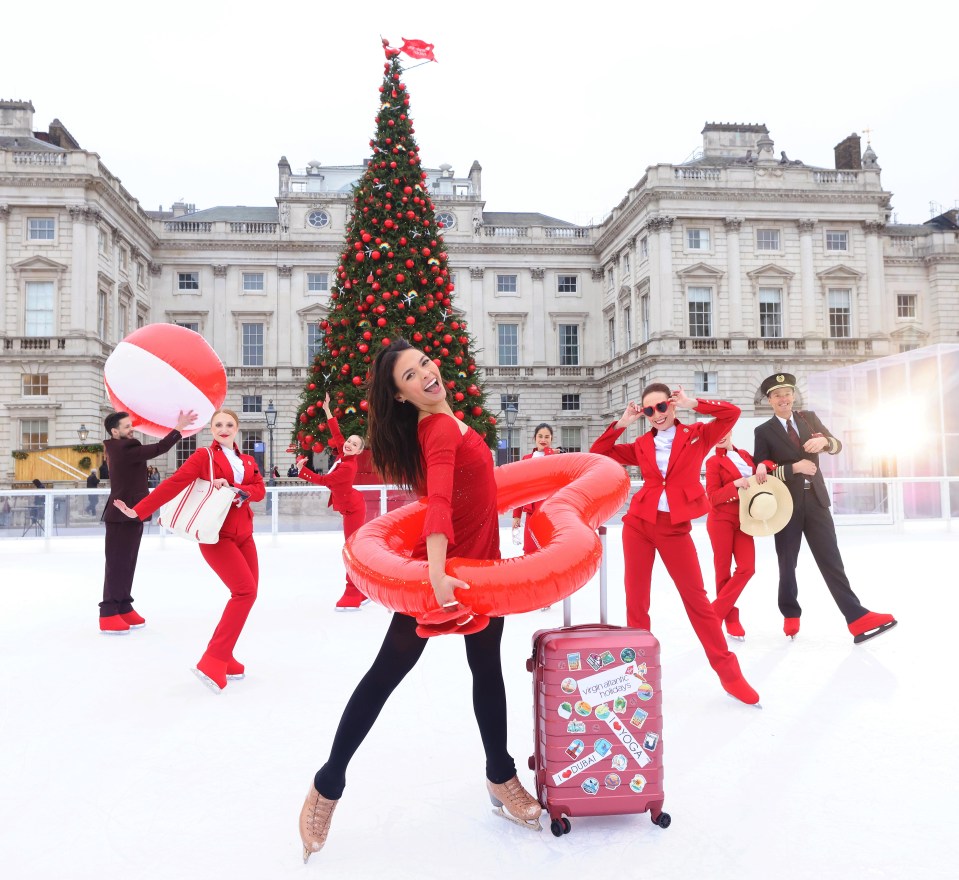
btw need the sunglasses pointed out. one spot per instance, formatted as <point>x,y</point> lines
<point>662,406</point>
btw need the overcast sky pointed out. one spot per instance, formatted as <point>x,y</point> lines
<point>564,105</point>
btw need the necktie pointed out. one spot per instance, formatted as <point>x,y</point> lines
<point>791,431</point>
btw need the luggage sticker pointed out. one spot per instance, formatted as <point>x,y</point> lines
<point>637,783</point>
<point>607,658</point>
<point>565,710</point>
<point>645,691</point>
<point>572,662</point>
<point>568,685</point>
<point>576,727</point>
<point>602,747</point>
<point>651,741</point>
<point>602,711</point>
<point>591,785</point>
<point>619,705</point>
<point>619,762</point>
<point>575,748</point>
<point>594,661</point>
<point>612,781</point>
<point>583,708</point>
<point>576,767</point>
<point>627,655</point>
<point>629,742</point>
<point>620,681</point>
<point>639,718</point>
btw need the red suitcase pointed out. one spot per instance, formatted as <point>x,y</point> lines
<point>598,723</point>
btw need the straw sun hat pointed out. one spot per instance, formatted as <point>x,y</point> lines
<point>764,510</point>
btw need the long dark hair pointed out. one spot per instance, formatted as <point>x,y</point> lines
<point>394,444</point>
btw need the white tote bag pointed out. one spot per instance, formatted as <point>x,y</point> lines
<point>198,512</point>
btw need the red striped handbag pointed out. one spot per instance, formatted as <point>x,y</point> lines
<point>198,512</point>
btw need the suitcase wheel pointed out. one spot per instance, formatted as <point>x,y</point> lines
<point>560,826</point>
<point>532,762</point>
<point>663,820</point>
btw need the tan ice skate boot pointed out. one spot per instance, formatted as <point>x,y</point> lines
<point>315,818</point>
<point>515,803</point>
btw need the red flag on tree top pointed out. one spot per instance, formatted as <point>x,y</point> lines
<point>417,49</point>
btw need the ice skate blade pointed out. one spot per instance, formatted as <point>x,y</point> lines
<point>872,633</point>
<point>532,825</point>
<point>338,608</point>
<point>741,703</point>
<point>235,677</point>
<point>209,682</point>
<point>114,632</point>
<point>736,638</point>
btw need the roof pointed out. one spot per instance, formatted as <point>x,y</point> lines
<point>231,214</point>
<point>31,144</point>
<point>521,218</point>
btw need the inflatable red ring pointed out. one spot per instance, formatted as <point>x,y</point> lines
<point>582,491</point>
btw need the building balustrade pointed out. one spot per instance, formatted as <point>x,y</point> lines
<point>39,157</point>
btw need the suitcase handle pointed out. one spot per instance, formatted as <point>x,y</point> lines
<point>567,604</point>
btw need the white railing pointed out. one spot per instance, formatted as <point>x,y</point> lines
<point>40,157</point>
<point>187,226</point>
<point>697,173</point>
<point>835,176</point>
<point>296,507</point>
<point>254,228</point>
<point>506,231</point>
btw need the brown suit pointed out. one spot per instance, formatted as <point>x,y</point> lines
<point>126,460</point>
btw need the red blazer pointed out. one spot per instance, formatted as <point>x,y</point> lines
<point>531,507</point>
<point>239,520</point>
<point>721,473</point>
<point>341,477</point>
<point>692,443</point>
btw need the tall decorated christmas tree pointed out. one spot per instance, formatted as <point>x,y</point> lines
<point>392,280</point>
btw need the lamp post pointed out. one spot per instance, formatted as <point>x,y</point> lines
<point>83,432</point>
<point>511,411</point>
<point>270,425</point>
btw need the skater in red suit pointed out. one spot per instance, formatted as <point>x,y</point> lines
<point>727,472</point>
<point>344,499</point>
<point>233,558</point>
<point>670,456</point>
<point>543,440</point>
<point>416,441</point>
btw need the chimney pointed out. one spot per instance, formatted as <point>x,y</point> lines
<point>849,154</point>
<point>476,175</point>
<point>16,119</point>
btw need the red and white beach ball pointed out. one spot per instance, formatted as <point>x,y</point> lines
<point>161,369</point>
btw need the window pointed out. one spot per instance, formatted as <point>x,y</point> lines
<point>252,403</point>
<point>625,265</point>
<point>644,312</point>
<point>507,400</point>
<point>39,309</point>
<point>445,220</point>
<point>507,336</point>
<point>41,228</point>
<point>612,337</point>
<point>253,282</point>
<point>706,383</point>
<point>644,248</point>
<point>249,441</point>
<point>102,314</point>
<point>908,346</point>
<point>700,311</point>
<point>906,306</point>
<point>840,313</point>
<point>140,273</point>
<point>770,312</point>
<point>252,345</point>
<point>569,345</point>
<point>35,385</point>
<point>122,318</point>
<point>610,278</point>
<point>318,282</point>
<point>33,433</point>
<point>625,392</point>
<point>190,325</point>
<point>628,326</point>
<point>506,284</point>
<point>609,398</point>
<point>184,449</point>
<point>101,241</point>
<point>697,239</point>
<point>570,403</point>
<point>318,219</point>
<point>188,280</point>
<point>571,439</point>
<point>837,241</point>
<point>124,258</point>
<point>567,284</point>
<point>314,341</point>
<point>767,240</point>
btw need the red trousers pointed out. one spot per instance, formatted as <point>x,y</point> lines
<point>729,543</point>
<point>641,541</point>
<point>234,560</point>
<point>352,520</point>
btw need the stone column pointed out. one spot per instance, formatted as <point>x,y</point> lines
<point>217,315</point>
<point>875,322</point>
<point>283,316</point>
<point>78,272</point>
<point>538,317</point>
<point>734,273</point>
<point>807,281</point>
<point>478,327</point>
<point>652,241</point>
<point>117,333</point>
<point>666,275</point>
<point>4,298</point>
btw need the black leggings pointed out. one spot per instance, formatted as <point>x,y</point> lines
<point>399,653</point>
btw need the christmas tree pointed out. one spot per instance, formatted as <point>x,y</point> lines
<point>392,280</point>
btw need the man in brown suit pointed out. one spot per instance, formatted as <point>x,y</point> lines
<point>127,457</point>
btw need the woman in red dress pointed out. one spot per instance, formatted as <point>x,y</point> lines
<point>233,557</point>
<point>543,440</point>
<point>344,499</point>
<point>416,441</point>
<point>727,472</point>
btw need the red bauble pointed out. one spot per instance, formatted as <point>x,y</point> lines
<point>459,396</point>
<point>410,320</point>
<point>357,380</point>
<point>459,414</point>
<point>386,341</point>
<point>359,258</point>
<point>477,410</point>
<point>492,420</point>
<point>381,322</point>
<point>364,405</point>
<point>303,419</point>
<point>318,447</point>
<point>417,337</point>
<point>426,252</point>
<point>312,386</point>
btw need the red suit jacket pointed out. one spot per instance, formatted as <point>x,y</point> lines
<point>721,473</point>
<point>531,507</point>
<point>692,443</point>
<point>239,520</point>
<point>340,478</point>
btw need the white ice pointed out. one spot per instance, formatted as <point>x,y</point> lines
<point>115,762</point>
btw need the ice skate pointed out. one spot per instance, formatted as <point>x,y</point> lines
<point>315,818</point>
<point>791,626</point>
<point>514,803</point>
<point>734,629</point>
<point>870,625</point>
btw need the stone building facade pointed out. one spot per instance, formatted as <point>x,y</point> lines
<point>712,274</point>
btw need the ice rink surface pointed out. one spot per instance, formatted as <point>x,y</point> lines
<point>115,762</point>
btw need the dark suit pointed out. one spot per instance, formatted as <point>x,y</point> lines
<point>811,516</point>
<point>128,481</point>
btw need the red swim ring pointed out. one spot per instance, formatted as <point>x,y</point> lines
<point>582,491</point>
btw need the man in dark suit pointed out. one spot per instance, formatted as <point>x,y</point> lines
<point>92,482</point>
<point>127,458</point>
<point>789,445</point>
